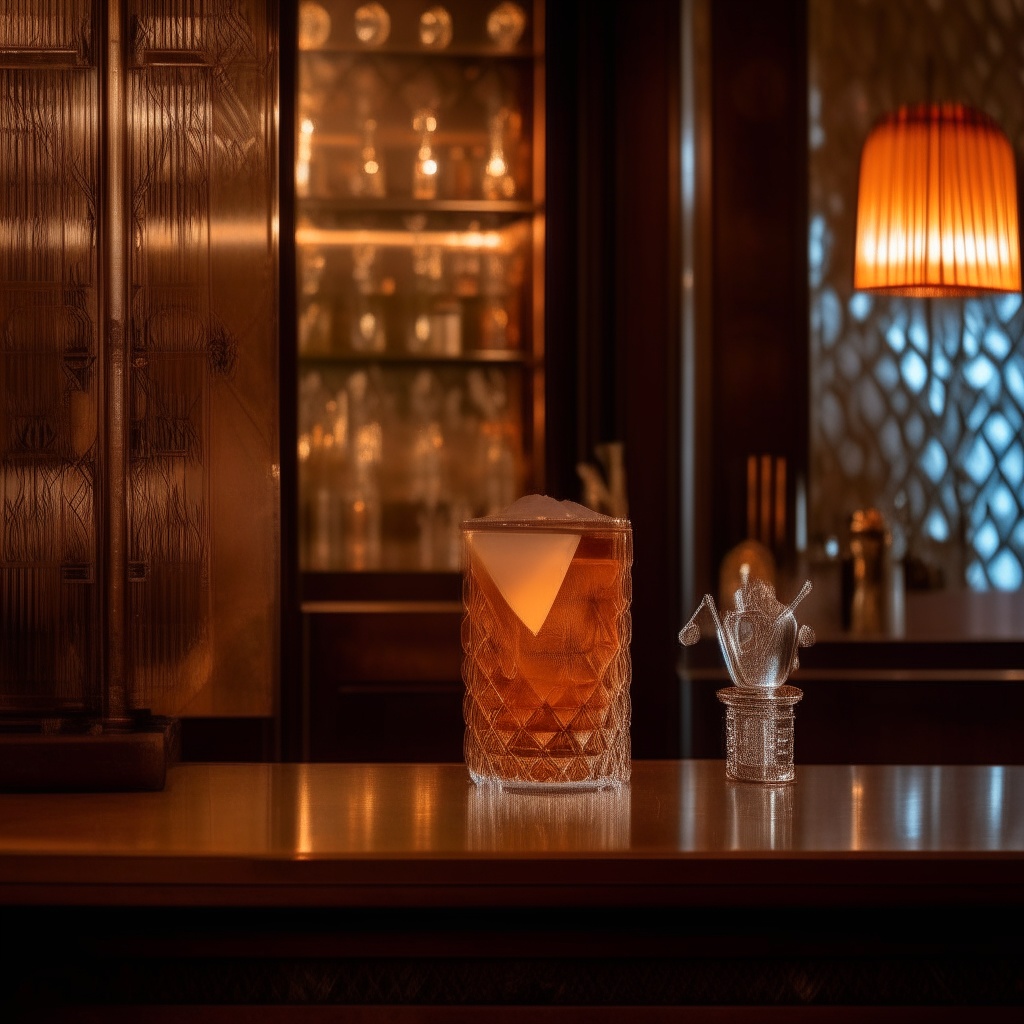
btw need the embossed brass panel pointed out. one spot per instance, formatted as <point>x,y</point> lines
<point>138,357</point>
<point>49,161</point>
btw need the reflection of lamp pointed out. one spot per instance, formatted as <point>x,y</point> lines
<point>937,207</point>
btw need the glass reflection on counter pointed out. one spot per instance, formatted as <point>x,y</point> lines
<point>510,820</point>
<point>371,811</point>
<point>873,807</point>
<point>760,816</point>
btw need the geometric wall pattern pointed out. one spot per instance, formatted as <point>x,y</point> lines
<point>917,406</point>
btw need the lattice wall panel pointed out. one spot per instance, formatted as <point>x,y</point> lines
<point>915,407</point>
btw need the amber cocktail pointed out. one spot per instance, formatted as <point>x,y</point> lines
<point>546,641</point>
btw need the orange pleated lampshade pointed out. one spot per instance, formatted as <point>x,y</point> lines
<point>937,207</point>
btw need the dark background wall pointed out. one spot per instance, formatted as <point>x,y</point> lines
<point>613,302</point>
<point>759,250</point>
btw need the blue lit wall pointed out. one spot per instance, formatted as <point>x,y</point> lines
<point>916,406</point>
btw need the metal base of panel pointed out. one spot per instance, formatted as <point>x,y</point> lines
<point>111,760</point>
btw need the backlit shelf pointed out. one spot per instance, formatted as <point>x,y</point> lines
<point>398,50</point>
<point>403,205</point>
<point>507,356</point>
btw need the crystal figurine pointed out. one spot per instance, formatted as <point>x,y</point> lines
<point>759,642</point>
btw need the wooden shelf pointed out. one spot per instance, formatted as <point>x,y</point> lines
<point>402,205</point>
<point>488,52</point>
<point>512,357</point>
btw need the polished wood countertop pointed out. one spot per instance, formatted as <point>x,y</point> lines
<point>424,835</point>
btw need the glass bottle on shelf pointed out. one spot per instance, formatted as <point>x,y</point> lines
<point>436,326</point>
<point>426,464</point>
<point>322,458</point>
<point>424,175</point>
<point>435,28</point>
<point>304,157</point>
<point>361,506</point>
<point>495,460</point>
<point>314,25</point>
<point>498,182</point>
<point>506,25</point>
<point>369,181</point>
<point>372,24</point>
<point>368,332</point>
<point>460,437</point>
<point>414,171</point>
<point>315,315</point>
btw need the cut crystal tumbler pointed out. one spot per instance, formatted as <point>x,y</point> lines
<point>546,642</point>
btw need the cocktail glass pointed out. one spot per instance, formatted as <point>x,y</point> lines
<point>546,641</point>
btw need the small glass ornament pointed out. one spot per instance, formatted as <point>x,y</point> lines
<point>759,642</point>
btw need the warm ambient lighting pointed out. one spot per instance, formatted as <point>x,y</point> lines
<point>504,241</point>
<point>937,207</point>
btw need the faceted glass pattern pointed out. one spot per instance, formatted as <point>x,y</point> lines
<point>550,708</point>
<point>759,734</point>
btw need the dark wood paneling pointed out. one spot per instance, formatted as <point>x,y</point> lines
<point>385,687</point>
<point>560,249</point>
<point>381,586</point>
<point>759,249</point>
<point>361,648</point>
<point>648,266</point>
<point>613,301</point>
<point>228,739</point>
<point>400,722</point>
<point>870,721</point>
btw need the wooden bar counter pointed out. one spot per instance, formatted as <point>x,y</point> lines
<point>416,835</point>
<point>886,886</point>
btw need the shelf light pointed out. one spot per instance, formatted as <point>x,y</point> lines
<point>492,240</point>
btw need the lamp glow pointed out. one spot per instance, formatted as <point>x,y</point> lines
<point>937,205</point>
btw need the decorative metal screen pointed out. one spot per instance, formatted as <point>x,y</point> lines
<point>49,161</point>
<point>916,405</point>
<point>138,357</point>
<point>202,496</point>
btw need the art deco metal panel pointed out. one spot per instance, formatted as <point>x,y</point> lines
<point>49,131</point>
<point>202,494</point>
<point>168,417</point>
<point>916,406</point>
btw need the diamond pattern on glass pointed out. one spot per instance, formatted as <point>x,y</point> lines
<point>916,406</point>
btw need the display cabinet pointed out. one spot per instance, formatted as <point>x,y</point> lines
<point>419,240</point>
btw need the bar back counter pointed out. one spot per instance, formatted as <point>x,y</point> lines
<point>406,893</point>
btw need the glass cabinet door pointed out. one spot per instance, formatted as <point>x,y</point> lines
<point>419,230</point>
